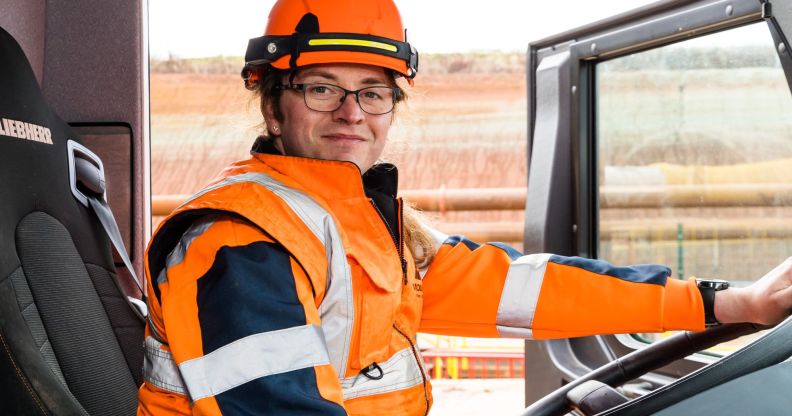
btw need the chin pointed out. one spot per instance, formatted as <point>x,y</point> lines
<point>363,166</point>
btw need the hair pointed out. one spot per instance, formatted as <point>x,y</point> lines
<point>418,240</point>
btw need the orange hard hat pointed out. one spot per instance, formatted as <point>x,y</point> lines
<point>307,32</point>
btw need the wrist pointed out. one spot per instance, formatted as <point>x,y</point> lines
<point>732,305</point>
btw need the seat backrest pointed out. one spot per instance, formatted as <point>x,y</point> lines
<point>69,343</point>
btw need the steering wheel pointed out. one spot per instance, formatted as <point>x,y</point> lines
<point>771,348</point>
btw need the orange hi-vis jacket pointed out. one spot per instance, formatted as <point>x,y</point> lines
<point>284,287</point>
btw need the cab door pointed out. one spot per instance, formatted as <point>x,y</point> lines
<point>662,135</point>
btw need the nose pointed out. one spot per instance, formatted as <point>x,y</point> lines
<point>349,112</point>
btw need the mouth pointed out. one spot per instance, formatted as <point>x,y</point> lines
<point>339,137</point>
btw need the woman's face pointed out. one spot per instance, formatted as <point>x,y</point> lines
<point>348,133</point>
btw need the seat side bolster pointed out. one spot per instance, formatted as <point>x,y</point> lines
<point>29,383</point>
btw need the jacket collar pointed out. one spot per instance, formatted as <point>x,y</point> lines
<point>345,178</point>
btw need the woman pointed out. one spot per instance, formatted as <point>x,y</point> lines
<point>295,283</point>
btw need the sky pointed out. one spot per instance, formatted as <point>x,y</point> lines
<point>193,28</point>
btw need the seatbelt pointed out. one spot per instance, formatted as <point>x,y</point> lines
<point>86,175</point>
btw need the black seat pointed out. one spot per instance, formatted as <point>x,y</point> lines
<point>69,342</point>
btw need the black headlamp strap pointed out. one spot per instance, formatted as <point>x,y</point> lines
<point>266,49</point>
<point>295,52</point>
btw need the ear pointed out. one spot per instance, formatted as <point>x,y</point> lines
<point>269,119</point>
<point>267,112</point>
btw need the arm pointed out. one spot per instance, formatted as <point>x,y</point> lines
<point>492,290</point>
<point>241,325</point>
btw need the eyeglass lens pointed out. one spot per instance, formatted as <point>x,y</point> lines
<point>328,97</point>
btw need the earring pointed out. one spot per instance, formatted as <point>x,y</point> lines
<point>275,129</point>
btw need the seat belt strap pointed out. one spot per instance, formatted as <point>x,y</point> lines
<point>86,175</point>
<point>105,216</point>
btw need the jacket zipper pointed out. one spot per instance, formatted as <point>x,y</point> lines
<point>397,240</point>
<point>420,366</point>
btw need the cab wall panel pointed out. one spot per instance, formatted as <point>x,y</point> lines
<point>25,21</point>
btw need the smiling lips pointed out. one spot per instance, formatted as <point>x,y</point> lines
<point>344,137</point>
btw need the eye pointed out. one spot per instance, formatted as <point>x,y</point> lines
<point>376,93</point>
<point>322,92</point>
<point>372,95</point>
<point>318,89</point>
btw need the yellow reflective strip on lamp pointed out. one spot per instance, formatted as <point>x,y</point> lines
<point>352,42</point>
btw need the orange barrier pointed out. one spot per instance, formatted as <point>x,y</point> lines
<point>456,364</point>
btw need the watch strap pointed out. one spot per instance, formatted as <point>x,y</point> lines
<point>708,298</point>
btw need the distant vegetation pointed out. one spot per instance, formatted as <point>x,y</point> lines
<point>213,65</point>
<point>465,63</point>
<point>675,58</point>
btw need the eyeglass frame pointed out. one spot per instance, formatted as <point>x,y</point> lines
<point>302,87</point>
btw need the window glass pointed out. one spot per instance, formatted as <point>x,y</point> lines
<point>694,147</point>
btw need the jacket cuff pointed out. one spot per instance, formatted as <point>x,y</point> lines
<point>682,306</point>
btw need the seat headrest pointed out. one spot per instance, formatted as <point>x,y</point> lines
<point>34,162</point>
<point>22,103</point>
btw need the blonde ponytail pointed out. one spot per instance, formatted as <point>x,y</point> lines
<point>416,237</point>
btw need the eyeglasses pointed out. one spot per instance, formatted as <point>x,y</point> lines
<point>328,97</point>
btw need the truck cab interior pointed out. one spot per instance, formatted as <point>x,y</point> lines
<point>74,133</point>
<point>73,81</point>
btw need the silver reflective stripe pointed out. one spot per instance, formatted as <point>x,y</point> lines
<point>176,256</point>
<point>520,295</point>
<point>336,310</point>
<point>400,372</point>
<point>252,357</point>
<point>159,369</point>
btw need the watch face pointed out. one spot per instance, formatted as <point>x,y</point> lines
<point>715,284</point>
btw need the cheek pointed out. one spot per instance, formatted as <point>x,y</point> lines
<point>382,127</point>
<point>297,125</point>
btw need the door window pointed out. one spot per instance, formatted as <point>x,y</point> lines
<point>694,149</point>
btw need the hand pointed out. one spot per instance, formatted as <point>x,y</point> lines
<point>767,301</point>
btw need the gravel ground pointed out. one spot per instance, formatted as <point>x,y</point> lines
<point>478,397</point>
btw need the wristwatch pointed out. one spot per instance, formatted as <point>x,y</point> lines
<point>708,287</point>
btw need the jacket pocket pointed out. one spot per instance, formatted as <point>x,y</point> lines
<point>376,315</point>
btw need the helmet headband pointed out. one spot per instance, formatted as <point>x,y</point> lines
<point>268,49</point>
